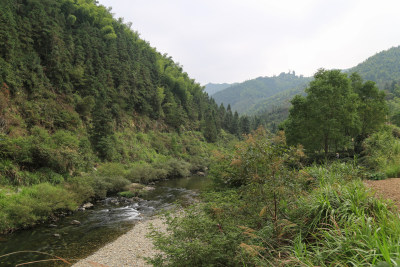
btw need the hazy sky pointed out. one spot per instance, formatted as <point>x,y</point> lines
<point>235,40</point>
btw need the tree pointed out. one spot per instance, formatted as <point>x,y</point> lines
<point>372,108</point>
<point>228,118</point>
<point>210,128</point>
<point>326,119</point>
<point>102,132</point>
<point>235,124</point>
<point>245,126</point>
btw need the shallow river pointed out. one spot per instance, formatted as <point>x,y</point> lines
<point>109,219</point>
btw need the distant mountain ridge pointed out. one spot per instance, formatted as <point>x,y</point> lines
<point>382,68</point>
<point>212,88</point>
<point>248,97</point>
<point>265,94</point>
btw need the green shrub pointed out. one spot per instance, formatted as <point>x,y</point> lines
<point>102,185</point>
<point>336,172</point>
<point>376,176</point>
<point>33,203</point>
<point>128,194</point>
<point>175,167</point>
<point>198,239</point>
<point>16,149</point>
<point>198,163</point>
<point>9,173</point>
<point>144,173</point>
<point>112,169</point>
<point>81,188</point>
<point>382,152</point>
<point>392,170</point>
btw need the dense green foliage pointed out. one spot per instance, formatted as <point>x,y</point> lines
<point>69,66</point>
<point>337,114</point>
<point>381,152</point>
<point>381,68</point>
<point>323,215</point>
<point>268,209</point>
<point>147,157</point>
<point>247,97</point>
<point>87,108</point>
<point>78,90</point>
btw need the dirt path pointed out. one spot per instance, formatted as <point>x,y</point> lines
<point>389,189</point>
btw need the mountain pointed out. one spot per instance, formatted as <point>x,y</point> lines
<point>88,107</point>
<point>269,97</point>
<point>76,85</point>
<point>251,96</point>
<point>267,93</point>
<point>381,68</point>
<point>212,88</point>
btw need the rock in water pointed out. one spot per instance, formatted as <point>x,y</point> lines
<point>87,205</point>
<point>75,222</point>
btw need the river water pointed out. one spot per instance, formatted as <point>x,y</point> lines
<point>109,219</point>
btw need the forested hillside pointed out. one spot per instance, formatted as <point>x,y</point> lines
<point>250,96</point>
<point>381,68</point>
<point>80,90</point>
<point>69,66</point>
<point>269,98</point>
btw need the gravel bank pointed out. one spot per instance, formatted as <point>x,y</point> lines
<point>128,249</point>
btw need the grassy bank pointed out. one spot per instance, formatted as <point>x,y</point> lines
<point>31,195</point>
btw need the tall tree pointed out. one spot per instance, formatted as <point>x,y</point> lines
<point>372,108</point>
<point>327,118</point>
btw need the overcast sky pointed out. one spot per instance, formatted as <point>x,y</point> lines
<point>236,40</point>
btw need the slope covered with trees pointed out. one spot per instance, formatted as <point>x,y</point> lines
<point>80,90</point>
<point>381,68</point>
<point>271,106</point>
<point>249,96</point>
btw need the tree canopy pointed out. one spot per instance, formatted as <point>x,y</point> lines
<point>336,111</point>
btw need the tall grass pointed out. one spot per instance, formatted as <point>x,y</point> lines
<point>331,173</point>
<point>345,225</point>
<point>336,221</point>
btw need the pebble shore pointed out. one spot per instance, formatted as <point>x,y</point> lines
<point>128,250</point>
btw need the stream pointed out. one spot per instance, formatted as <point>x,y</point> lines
<point>103,223</point>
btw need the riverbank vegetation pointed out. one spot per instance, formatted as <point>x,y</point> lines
<point>267,209</point>
<point>25,199</point>
<point>272,206</point>
<point>87,109</point>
